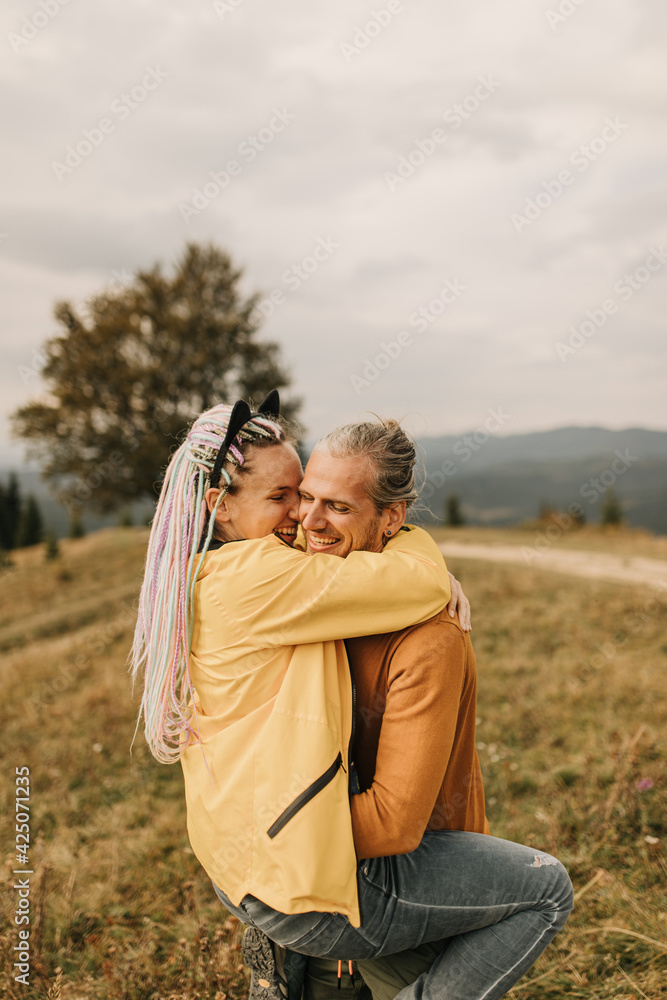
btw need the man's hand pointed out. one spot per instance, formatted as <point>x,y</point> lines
<point>459,602</point>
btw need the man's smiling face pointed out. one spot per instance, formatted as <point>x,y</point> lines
<point>337,515</point>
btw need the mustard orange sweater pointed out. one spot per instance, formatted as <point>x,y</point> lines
<point>414,744</point>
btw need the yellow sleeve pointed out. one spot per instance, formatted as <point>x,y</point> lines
<point>280,596</point>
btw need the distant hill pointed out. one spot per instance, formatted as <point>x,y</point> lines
<point>504,480</point>
<point>56,517</point>
<point>499,480</point>
<point>513,492</point>
<point>473,452</point>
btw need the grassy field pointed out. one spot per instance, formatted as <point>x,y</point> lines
<point>572,720</point>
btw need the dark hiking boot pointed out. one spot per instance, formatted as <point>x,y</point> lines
<point>266,963</point>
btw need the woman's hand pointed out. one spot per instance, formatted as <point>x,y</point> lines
<point>459,602</point>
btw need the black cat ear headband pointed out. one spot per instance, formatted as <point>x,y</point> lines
<point>240,415</point>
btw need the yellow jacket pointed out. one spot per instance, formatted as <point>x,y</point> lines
<point>267,789</point>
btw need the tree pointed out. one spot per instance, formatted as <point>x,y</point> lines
<point>5,536</point>
<point>612,511</point>
<point>127,375</point>
<point>51,548</point>
<point>30,525</point>
<point>10,512</point>
<point>76,528</point>
<point>453,513</point>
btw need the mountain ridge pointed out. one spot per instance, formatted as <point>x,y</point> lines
<point>499,479</point>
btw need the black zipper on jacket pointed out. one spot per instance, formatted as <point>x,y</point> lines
<point>305,796</point>
<point>350,762</point>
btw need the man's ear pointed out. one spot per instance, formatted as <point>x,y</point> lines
<point>222,513</point>
<point>395,517</point>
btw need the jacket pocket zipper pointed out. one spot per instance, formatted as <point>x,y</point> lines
<point>305,796</point>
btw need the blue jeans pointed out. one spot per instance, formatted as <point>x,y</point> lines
<point>497,903</point>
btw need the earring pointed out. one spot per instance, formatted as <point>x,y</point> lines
<point>388,533</point>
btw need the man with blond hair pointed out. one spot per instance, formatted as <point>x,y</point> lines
<point>447,910</point>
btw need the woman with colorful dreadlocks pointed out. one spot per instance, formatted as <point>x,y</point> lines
<point>247,682</point>
<point>240,638</point>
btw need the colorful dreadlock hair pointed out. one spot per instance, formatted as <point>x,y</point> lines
<point>180,537</point>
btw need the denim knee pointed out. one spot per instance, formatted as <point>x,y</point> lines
<point>566,889</point>
<point>559,893</point>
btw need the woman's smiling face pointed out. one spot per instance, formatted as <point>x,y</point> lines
<point>266,499</point>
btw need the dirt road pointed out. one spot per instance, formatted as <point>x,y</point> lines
<point>595,565</point>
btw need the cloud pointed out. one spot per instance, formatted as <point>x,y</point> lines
<point>356,119</point>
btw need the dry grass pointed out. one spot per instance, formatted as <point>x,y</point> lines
<point>571,733</point>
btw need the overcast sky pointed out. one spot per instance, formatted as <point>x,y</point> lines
<point>477,177</point>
